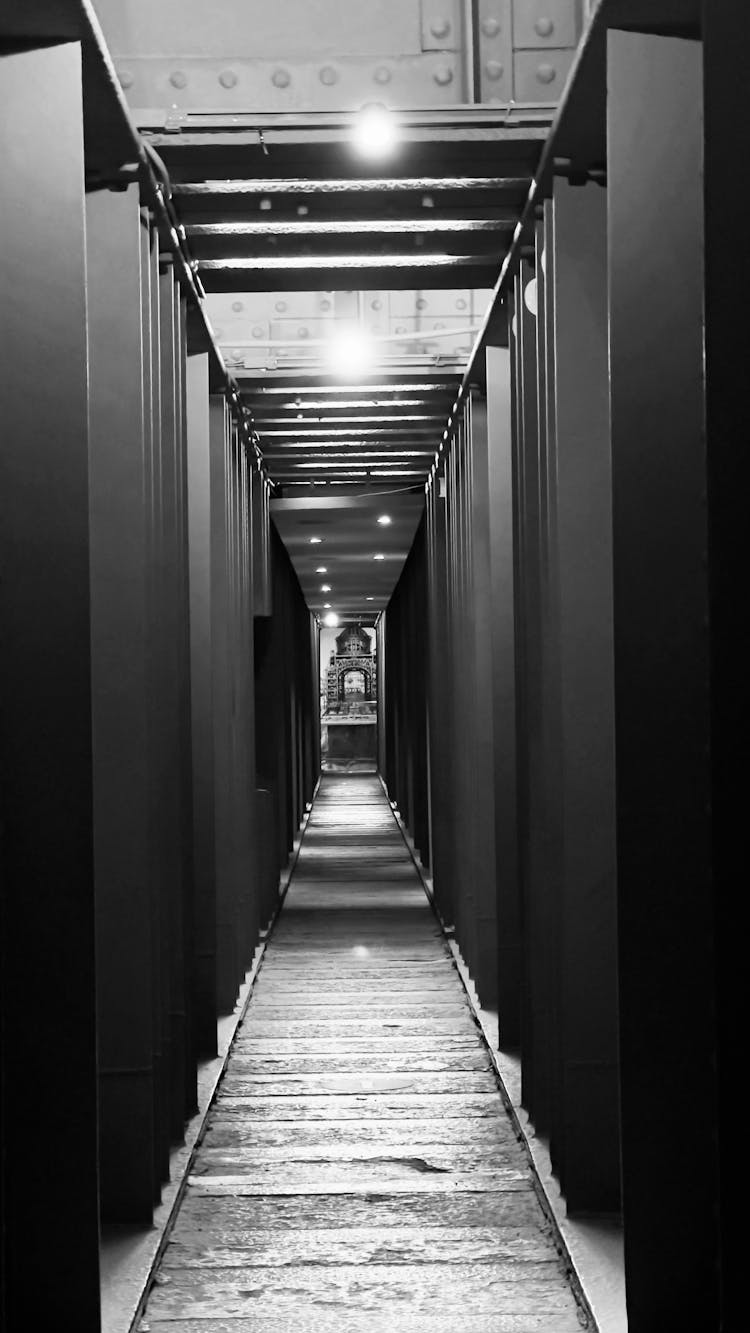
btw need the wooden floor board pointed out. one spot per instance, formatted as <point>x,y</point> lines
<point>359,1170</point>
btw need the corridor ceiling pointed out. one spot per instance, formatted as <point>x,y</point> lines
<point>306,248</point>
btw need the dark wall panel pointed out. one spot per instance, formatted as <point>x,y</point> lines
<point>46,798</point>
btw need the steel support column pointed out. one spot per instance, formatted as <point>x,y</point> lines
<point>578,446</point>
<point>120,547</point>
<point>662,652</point>
<point>48,924</point>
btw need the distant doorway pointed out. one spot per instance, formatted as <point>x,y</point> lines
<point>348,698</point>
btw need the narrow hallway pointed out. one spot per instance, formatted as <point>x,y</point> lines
<point>359,1170</point>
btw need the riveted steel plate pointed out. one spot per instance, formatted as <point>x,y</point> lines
<point>539,74</point>
<point>495,51</point>
<point>545,23</point>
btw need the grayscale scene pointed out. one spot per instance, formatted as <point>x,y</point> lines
<point>372,404</point>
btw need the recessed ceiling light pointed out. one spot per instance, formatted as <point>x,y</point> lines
<point>369,599</point>
<point>331,619</point>
<point>315,541</point>
<point>326,606</point>
<point>378,557</point>
<point>384,520</point>
<point>321,569</point>
<point>325,587</point>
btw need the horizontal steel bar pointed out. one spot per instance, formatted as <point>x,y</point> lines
<point>358,185</point>
<point>258,407</point>
<point>448,380</point>
<point>315,433</point>
<point>362,226</point>
<point>391,419</point>
<point>307,262</point>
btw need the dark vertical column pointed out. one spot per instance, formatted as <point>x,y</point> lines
<point>119,657</point>
<point>726,274</point>
<point>48,926</point>
<point>201,681</point>
<point>190,1085</point>
<point>589,1162</point>
<point>156,718</point>
<point>503,649</point>
<point>666,955</point>
<point>481,614</point>
<point>227,960</point>
<point>171,698</point>
<point>539,914</point>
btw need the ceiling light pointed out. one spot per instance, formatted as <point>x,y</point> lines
<point>369,599</point>
<point>331,619</point>
<point>375,132</point>
<point>325,587</point>
<point>384,520</point>
<point>315,541</point>
<point>326,606</point>
<point>378,557</point>
<point>350,353</point>
<point>321,569</point>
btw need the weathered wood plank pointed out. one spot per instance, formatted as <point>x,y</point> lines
<point>294,1138</point>
<point>367,1245</point>
<point>380,1288</point>
<point>319,1321</point>
<point>383,1212</point>
<point>325,1062</point>
<point>360,1178</point>
<point>365,1083</point>
<point>405,1106</point>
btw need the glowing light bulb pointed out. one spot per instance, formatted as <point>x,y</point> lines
<point>331,619</point>
<point>321,569</point>
<point>315,541</point>
<point>350,353</point>
<point>325,587</point>
<point>384,520</point>
<point>378,557</point>
<point>375,133</point>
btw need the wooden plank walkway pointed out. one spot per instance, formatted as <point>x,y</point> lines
<point>359,1170</point>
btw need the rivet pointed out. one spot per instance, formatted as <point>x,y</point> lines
<point>227,78</point>
<point>329,76</point>
<point>377,304</point>
<point>280,306</point>
<point>325,304</point>
<point>178,78</point>
<point>303,332</point>
<point>421,303</point>
<point>302,210</point>
<point>490,27</point>
<point>443,75</point>
<point>281,78</point>
<point>238,306</point>
<point>126,79</point>
<point>440,27</point>
<point>460,303</point>
<point>258,331</point>
<point>382,74</point>
<point>428,201</point>
<point>493,69</point>
<point>544,27</point>
<point>546,73</point>
<point>265,205</point>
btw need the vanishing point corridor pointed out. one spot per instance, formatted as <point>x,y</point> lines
<point>359,1170</point>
